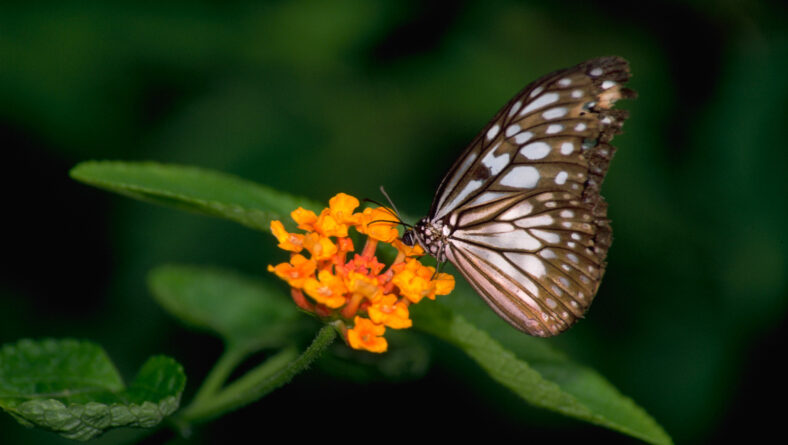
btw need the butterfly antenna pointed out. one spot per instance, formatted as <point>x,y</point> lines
<point>390,222</point>
<point>382,190</point>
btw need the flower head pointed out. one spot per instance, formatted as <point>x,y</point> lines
<point>417,281</point>
<point>360,294</point>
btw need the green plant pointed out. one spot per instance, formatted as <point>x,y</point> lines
<point>72,388</point>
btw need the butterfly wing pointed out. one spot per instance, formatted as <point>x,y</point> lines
<point>527,225</point>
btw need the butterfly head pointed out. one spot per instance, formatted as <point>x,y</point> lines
<point>431,236</point>
<point>409,238</point>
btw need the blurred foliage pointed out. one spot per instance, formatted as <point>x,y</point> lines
<point>314,98</point>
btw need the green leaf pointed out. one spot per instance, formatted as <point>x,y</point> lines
<point>72,388</point>
<point>533,370</point>
<point>191,188</point>
<point>246,313</point>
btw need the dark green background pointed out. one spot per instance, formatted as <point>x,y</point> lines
<point>316,98</point>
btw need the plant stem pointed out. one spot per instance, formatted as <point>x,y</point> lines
<point>266,377</point>
<point>231,357</point>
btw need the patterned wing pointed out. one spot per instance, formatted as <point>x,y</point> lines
<point>527,225</point>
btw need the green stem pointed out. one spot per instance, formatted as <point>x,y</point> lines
<point>231,357</point>
<point>271,374</point>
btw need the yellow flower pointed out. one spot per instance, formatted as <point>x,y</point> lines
<point>390,312</point>
<point>367,335</point>
<point>328,289</point>
<point>296,271</point>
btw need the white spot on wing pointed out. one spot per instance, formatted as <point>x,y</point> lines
<point>596,72</point>
<point>580,127</point>
<point>529,263</point>
<point>567,148</point>
<point>554,128</point>
<point>470,187</point>
<point>523,137</point>
<point>550,237</point>
<point>495,163</point>
<point>518,239</point>
<point>466,164</point>
<point>492,132</point>
<point>487,197</point>
<point>537,91</point>
<point>521,176</point>
<point>515,108</point>
<point>554,113</point>
<point>608,84</point>
<point>512,130</point>
<point>535,221</point>
<point>540,102</point>
<point>577,94</point>
<point>560,178</point>
<point>565,82</point>
<point>535,150</point>
<point>522,208</point>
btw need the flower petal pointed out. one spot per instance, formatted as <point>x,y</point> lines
<point>367,335</point>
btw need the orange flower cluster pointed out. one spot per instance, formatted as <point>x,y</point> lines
<point>359,295</point>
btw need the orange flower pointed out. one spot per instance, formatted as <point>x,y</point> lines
<point>390,312</point>
<point>378,223</point>
<point>409,251</point>
<point>328,289</point>
<point>367,335</point>
<point>332,221</point>
<point>444,284</point>
<point>305,219</point>
<point>365,265</point>
<point>410,278</point>
<point>359,283</point>
<point>359,292</point>
<point>287,241</point>
<point>342,206</point>
<point>296,271</point>
<point>319,246</point>
<point>415,281</point>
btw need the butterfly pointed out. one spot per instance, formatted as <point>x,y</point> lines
<point>519,213</point>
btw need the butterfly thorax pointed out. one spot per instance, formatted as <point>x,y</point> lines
<point>431,236</point>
